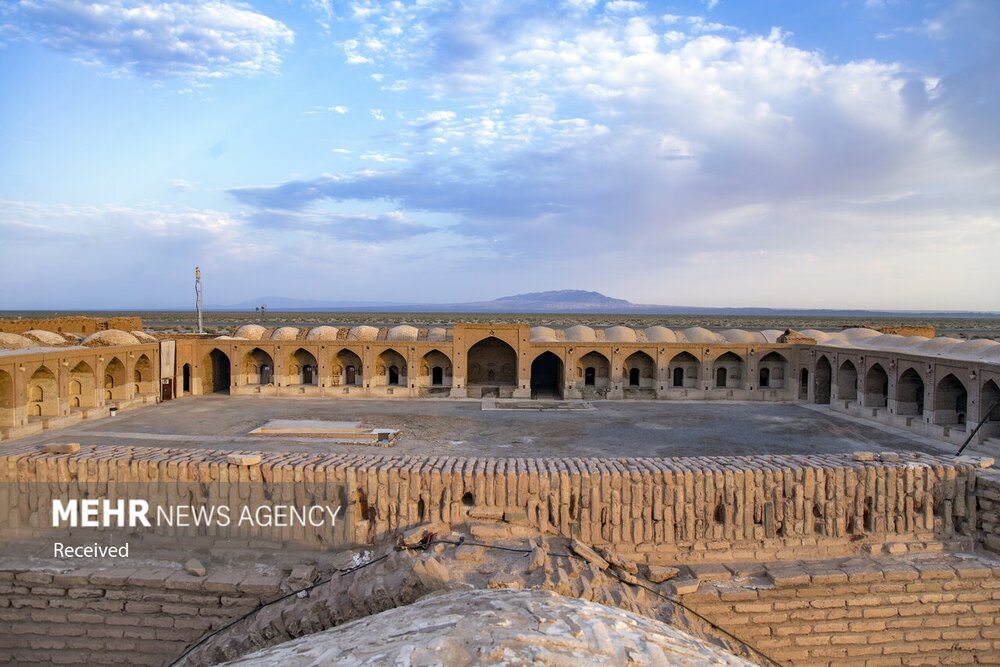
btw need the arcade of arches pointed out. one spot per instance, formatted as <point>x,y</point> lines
<point>941,398</point>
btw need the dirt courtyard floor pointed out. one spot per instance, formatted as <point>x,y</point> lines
<point>463,428</point>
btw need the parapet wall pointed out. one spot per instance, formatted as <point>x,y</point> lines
<point>79,325</point>
<point>655,510</point>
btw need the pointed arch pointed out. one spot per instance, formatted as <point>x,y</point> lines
<point>876,386</point>
<point>390,369</point>
<point>989,398</point>
<point>216,369</point>
<point>43,393</point>
<point>824,381</point>
<point>115,380</point>
<point>302,368</point>
<point>639,371</point>
<point>951,401</point>
<point>82,386</point>
<point>6,399</point>
<point>683,370</point>
<point>491,361</point>
<point>258,367</point>
<point>347,368</point>
<point>910,393</point>
<point>728,371</point>
<point>772,370</point>
<point>435,369</point>
<point>847,381</point>
<point>143,375</point>
<point>593,372</point>
<point>547,376</point>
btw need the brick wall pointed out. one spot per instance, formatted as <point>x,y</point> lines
<point>79,325</point>
<point>655,510</point>
<point>910,610</point>
<point>144,616</point>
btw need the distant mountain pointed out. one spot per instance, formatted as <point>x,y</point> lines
<point>562,299</point>
<point>568,302</point>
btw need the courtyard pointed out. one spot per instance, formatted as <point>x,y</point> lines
<point>608,429</point>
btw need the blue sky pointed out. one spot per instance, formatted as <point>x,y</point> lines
<point>714,153</point>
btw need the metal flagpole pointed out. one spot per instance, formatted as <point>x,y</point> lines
<point>197,293</point>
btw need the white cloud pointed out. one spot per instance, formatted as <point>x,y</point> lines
<point>177,39</point>
<point>180,185</point>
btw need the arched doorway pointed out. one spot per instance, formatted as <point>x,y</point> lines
<point>804,384</point>
<point>910,393</point>
<point>491,363</point>
<point>390,369</point>
<point>824,381</point>
<point>951,401</point>
<point>258,367</point>
<point>594,370</point>
<point>186,378</point>
<point>143,373</point>
<point>728,371</point>
<point>302,368</point>
<point>684,370</point>
<point>546,376</point>
<point>876,387</point>
<point>990,398</point>
<point>347,368</point>
<point>6,399</point>
<point>115,385</point>
<point>216,369</point>
<point>82,386</point>
<point>771,371</point>
<point>435,371</point>
<point>641,373</point>
<point>43,394</point>
<point>847,382</point>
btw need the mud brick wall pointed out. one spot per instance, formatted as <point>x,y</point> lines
<point>915,610</point>
<point>988,496</point>
<point>79,325</point>
<point>120,615</point>
<point>656,510</point>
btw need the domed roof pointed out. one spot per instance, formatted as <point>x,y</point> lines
<point>362,332</point>
<point>620,334</point>
<point>772,335</point>
<point>934,345</point>
<point>580,333</point>
<point>855,334</point>
<point>700,335</point>
<point>487,627</point>
<point>44,337</point>
<point>816,335</point>
<point>143,337</point>
<point>323,333</point>
<point>543,334</point>
<point>886,342</point>
<point>250,332</point>
<point>658,334</point>
<point>970,349</point>
<point>741,336</point>
<point>9,341</point>
<point>437,334</point>
<point>402,332</point>
<point>110,338</point>
<point>991,355</point>
<point>285,333</point>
